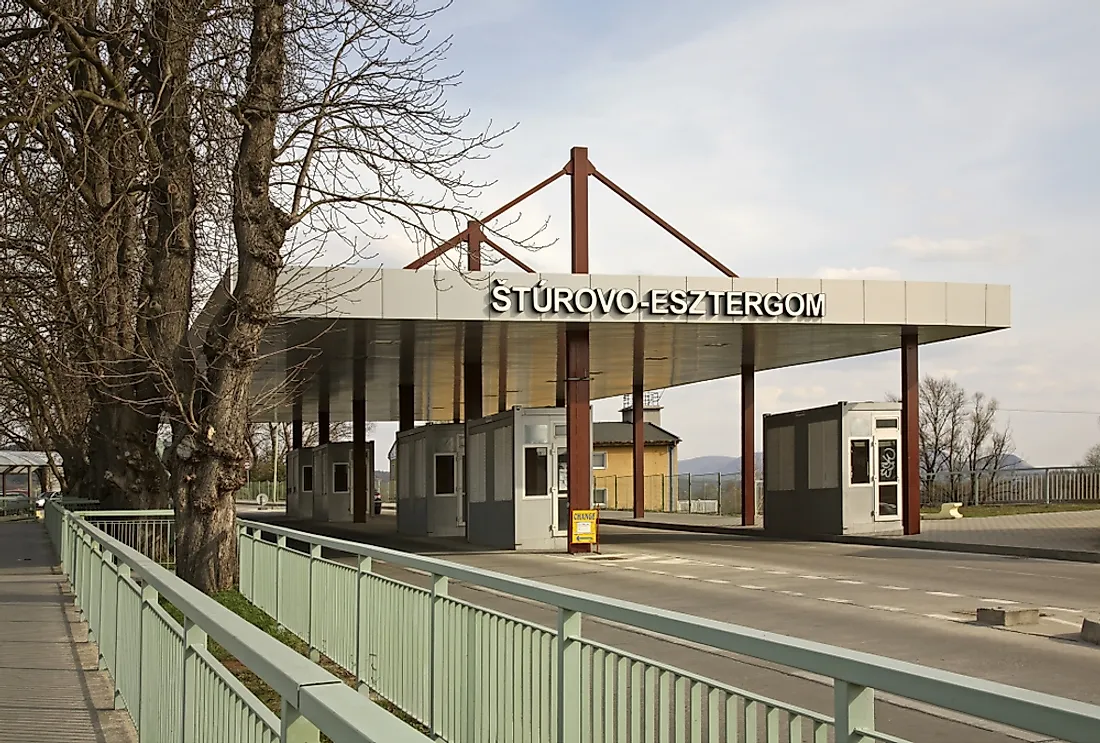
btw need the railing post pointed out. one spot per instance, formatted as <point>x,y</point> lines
<point>193,637</point>
<point>280,546</point>
<point>106,599</point>
<point>95,596</point>
<point>295,728</point>
<point>569,676</point>
<point>1046,486</point>
<point>314,556</point>
<point>435,687</point>
<point>362,588</point>
<point>149,597</point>
<point>120,580</point>
<point>853,710</point>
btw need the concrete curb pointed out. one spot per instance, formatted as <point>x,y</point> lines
<point>1090,630</point>
<point>1038,553</point>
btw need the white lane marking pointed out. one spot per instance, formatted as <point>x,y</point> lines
<point>1068,611</point>
<point>630,567</point>
<point>688,577</point>
<point>895,588</point>
<point>657,572</point>
<point>751,587</point>
<point>812,577</point>
<point>942,593</point>
<point>998,601</point>
<point>1063,621</point>
<point>887,608</point>
<point>792,593</point>
<point>947,617</point>
<point>835,601</point>
<point>778,572</point>
<point>719,581</point>
<point>741,567</point>
<point>637,558</point>
<point>850,582</point>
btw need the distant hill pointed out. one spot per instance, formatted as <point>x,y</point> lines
<point>715,465</point>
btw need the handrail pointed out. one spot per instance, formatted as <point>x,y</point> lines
<point>317,694</point>
<point>1064,719</point>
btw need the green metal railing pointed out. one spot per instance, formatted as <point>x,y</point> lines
<point>176,691</point>
<point>472,675</point>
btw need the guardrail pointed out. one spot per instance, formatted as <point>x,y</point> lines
<point>164,674</point>
<point>472,675</point>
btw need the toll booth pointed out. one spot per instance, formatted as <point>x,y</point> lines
<point>834,470</point>
<point>518,480</point>
<point>299,484</point>
<point>320,481</point>
<point>429,465</point>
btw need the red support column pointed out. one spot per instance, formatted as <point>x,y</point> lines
<point>639,421</point>
<point>578,401</point>
<point>748,425</point>
<point>579,169</point>
<point>360,480</point>
<point>578,429</point>
<point>406,393</point>
<point>296,429</point>
<point>910,433</point>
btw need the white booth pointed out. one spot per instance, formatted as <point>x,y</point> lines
<point>834,470</point>
<point>518,480</point>
<point>320,481</point>
<point>430,497</point>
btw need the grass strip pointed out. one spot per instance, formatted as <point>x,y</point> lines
<point>239,605</point>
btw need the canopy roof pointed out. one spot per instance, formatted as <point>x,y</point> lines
<point>330,316</point>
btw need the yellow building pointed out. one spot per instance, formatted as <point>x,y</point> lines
<point>613,462</point>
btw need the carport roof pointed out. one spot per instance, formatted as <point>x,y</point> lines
<point>328,316</point>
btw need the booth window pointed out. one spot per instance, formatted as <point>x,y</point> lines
<point>444,474</point>
<point>599,460</point>
<point>860,461</point>
<point>536,471</point>
<point>340,477</point>
<point>307,478</point>
<point>886,423</point>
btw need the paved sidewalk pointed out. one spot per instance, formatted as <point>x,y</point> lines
<point>1065,535</point>
<point>50,690</point>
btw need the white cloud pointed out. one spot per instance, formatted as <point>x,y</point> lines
<point>870,273</point>
<point>957,249</point>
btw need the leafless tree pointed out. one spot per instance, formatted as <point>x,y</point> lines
<point>959,439</point>
<point>152,148</point>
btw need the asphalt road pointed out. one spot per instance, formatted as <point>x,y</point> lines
<point>914,605</point>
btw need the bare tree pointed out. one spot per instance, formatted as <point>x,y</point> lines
<point>959,439</point>
<point>156,147</point>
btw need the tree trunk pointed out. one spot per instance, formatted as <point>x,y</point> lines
<point>124,471</point>
<point>212,469</point>
<point>206,524</point>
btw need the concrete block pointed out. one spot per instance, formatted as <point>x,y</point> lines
<point>1000,616</point>
<point>1090,630</point>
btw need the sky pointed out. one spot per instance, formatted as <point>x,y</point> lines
<point>856,138</point>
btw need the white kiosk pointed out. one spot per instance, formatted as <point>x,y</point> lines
<point>320,481</point>
<point>299,484</point>
<point>518,480</point>
<point>834,470</point>
<point>430,497</point>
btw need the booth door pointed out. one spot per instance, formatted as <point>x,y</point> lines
<point>561,481</point>
<point>887,468</point>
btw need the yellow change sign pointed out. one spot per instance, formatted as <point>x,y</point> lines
<point>584,527</point>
